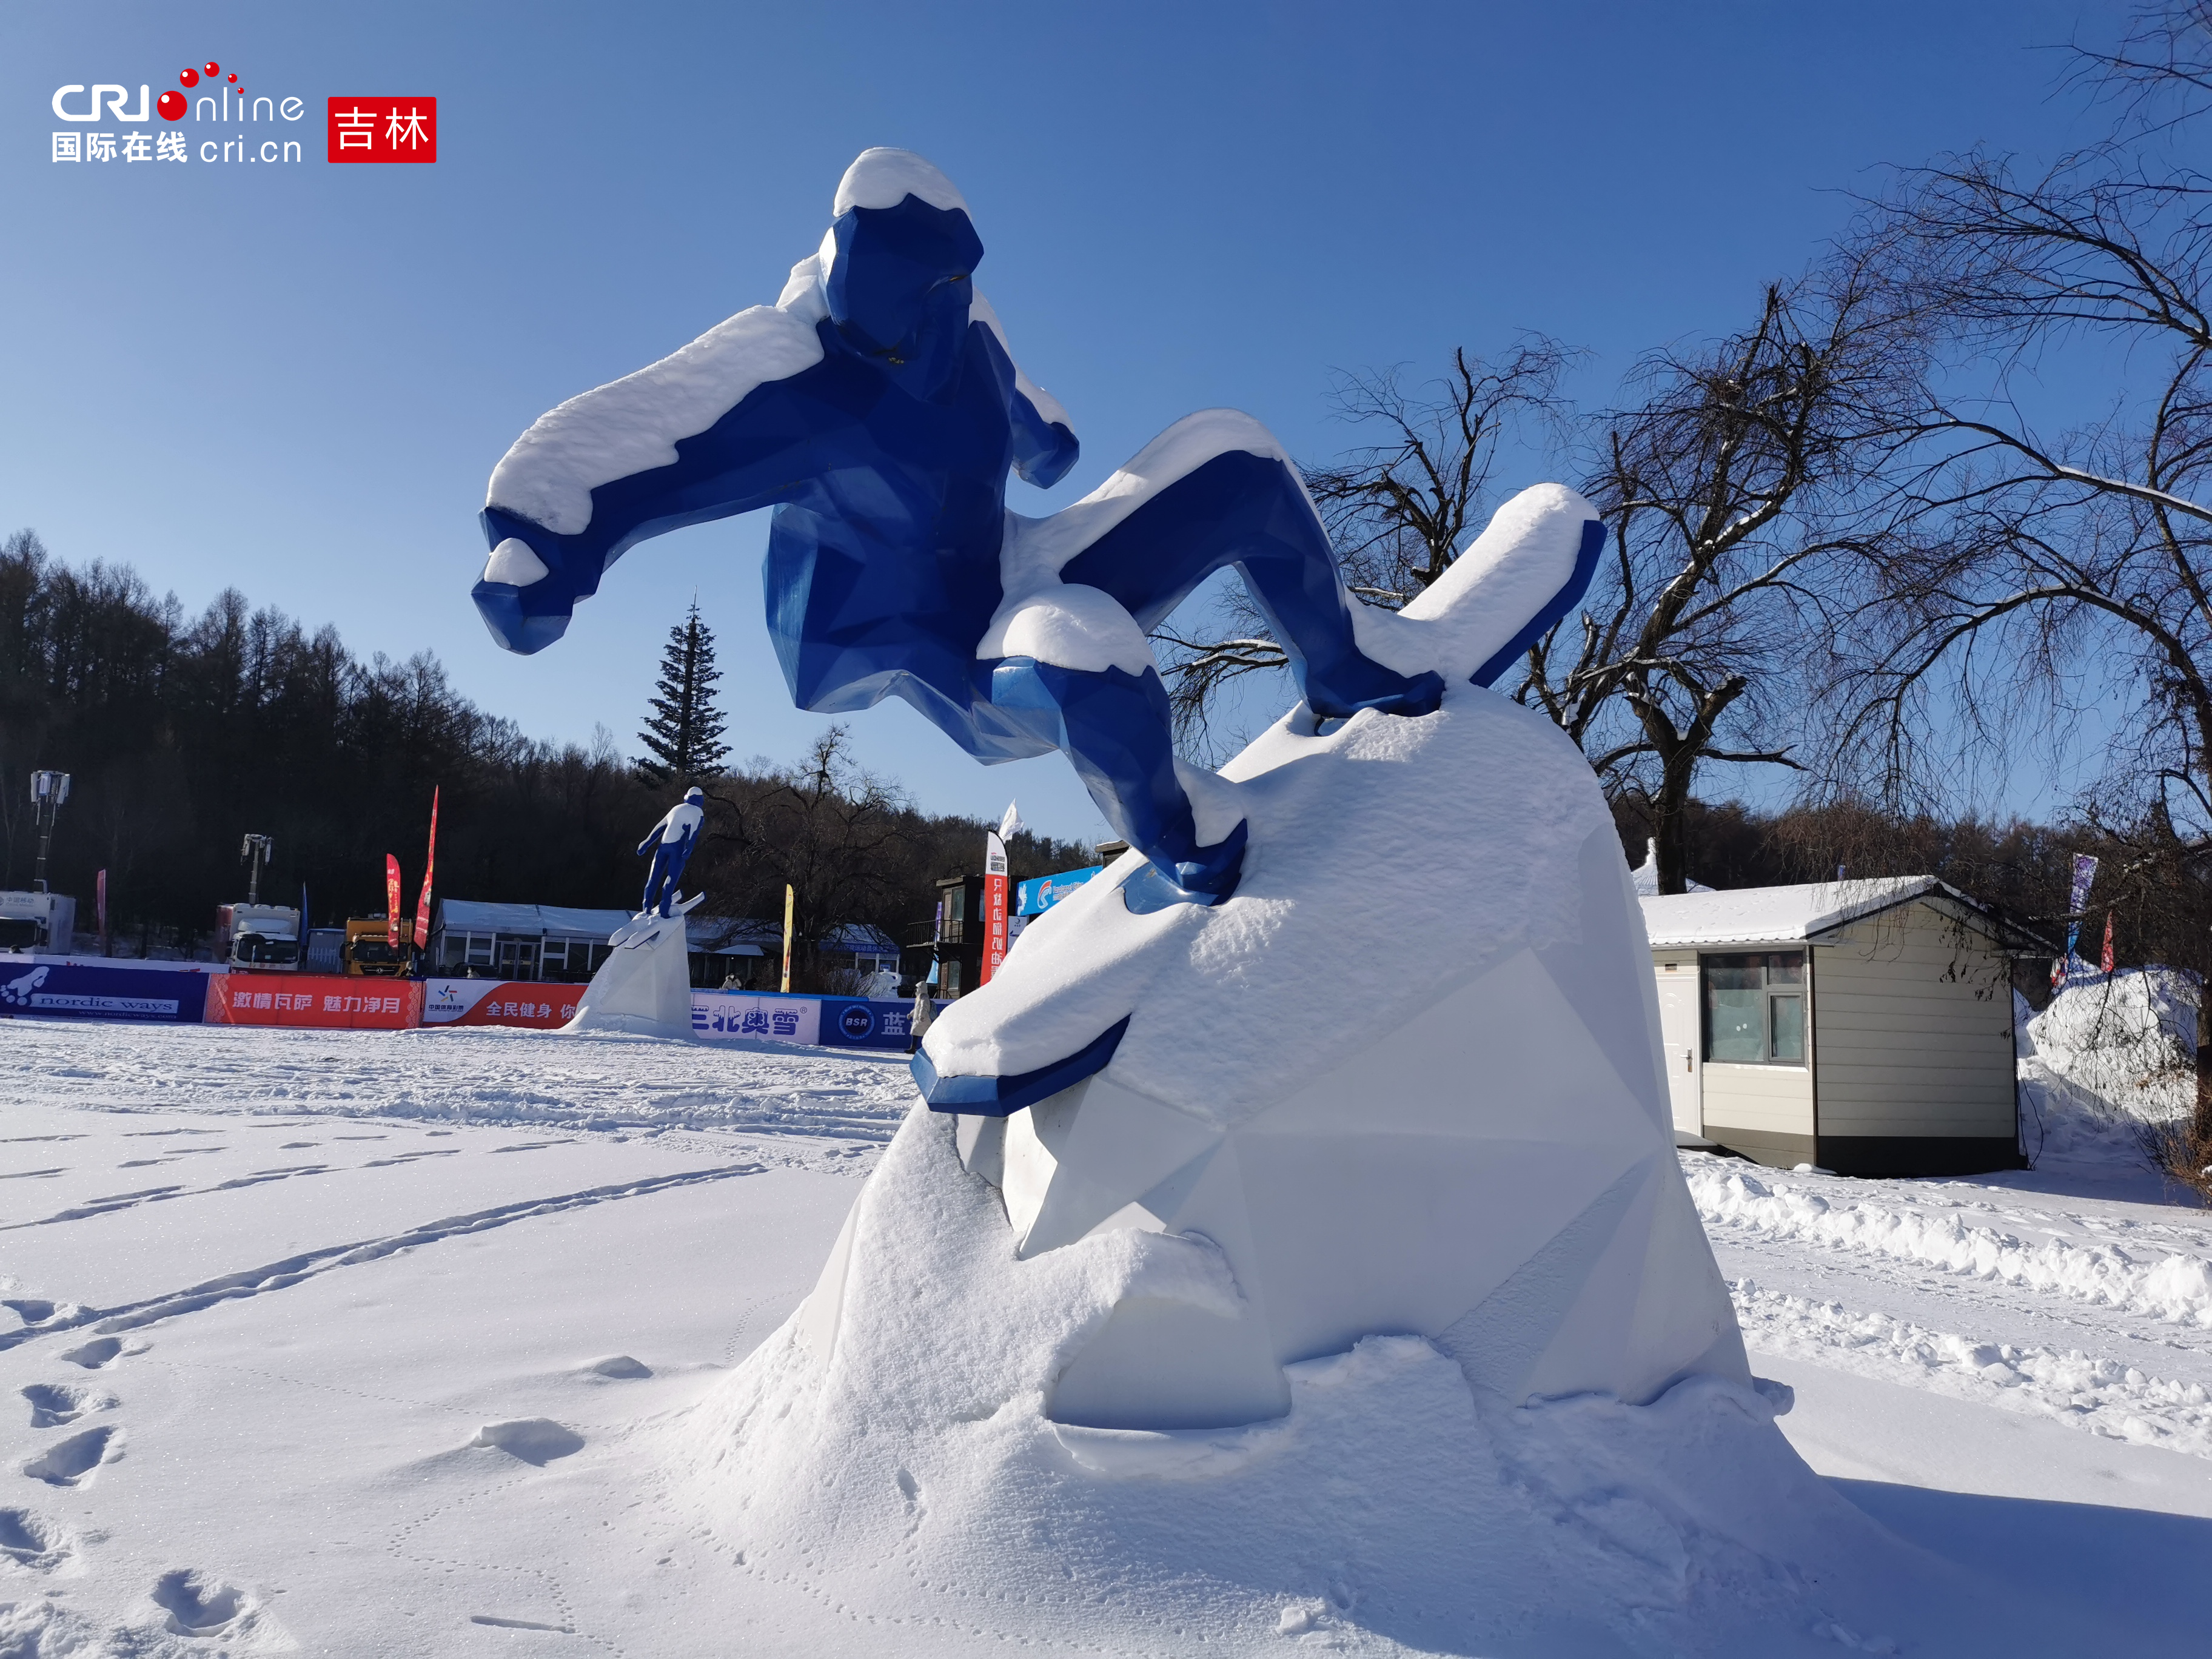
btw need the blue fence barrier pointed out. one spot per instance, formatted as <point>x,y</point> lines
<point>72,990</point>
<point>833,1021</point>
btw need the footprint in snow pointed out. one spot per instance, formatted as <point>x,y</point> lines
<point>53,1404</point>
<point>71,1462</point>
<point>31,1542</point>
<point>101,1350</point>
<point>30,1309</point>
<point>198,1603</point>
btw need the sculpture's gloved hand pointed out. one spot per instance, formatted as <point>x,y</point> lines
<point>525,595</point>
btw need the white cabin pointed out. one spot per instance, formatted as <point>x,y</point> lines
<point>1864,1027</point>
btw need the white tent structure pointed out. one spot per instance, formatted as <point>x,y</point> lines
<point>1645,876</point>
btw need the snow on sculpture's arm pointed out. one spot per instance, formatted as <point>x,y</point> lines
<point>1044,437</point>
<point>713,429</point>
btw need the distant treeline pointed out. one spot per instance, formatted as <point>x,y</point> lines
<point>183,735</point>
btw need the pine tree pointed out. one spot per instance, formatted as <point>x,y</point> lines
<point>684,732</point>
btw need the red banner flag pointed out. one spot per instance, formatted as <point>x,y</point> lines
<point>391,901</point>
<point>429,869</point>
<point>994,908</point>
<point>2107,964</point>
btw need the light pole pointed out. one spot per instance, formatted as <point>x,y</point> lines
<point>48,791</point>
<point>255,851</point>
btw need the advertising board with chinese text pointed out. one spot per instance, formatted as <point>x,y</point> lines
<point>315,1001</point>
<point>499,1002</point>
<point>830,1022</point>
<point>1035,896</point>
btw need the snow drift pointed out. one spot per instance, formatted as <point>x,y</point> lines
<point>903,1487</point>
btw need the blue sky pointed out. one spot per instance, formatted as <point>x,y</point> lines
<point>296,378</point>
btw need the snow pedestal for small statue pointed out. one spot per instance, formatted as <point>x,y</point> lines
<point>644,986</point>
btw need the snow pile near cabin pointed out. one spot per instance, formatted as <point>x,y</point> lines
<point>2111,1052</point>
<point>894,1482</point>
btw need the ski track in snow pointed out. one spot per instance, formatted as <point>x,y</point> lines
<point>2096,1314</point>
<point>282,1275</point>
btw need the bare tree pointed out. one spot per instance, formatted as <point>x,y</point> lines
<point>2160,74</point>
<point>2065,564</point>
<point>1742,492</point>
<point>827,829</point>
<point>1397,512</point>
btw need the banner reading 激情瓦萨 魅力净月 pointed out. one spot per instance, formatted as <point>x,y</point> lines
<point>315,1001</point>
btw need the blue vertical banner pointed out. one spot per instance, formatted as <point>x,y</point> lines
<point>2085,873</point>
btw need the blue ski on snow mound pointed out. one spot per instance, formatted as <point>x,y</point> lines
<point>1002,1096</point>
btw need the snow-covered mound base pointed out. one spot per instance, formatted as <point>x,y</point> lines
<point>1352,1297</point>
<point>1407,1081</point>
<point>900,1488</point>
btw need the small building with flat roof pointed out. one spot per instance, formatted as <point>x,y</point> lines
<point>486,940</point>
<point>1864,1027</point>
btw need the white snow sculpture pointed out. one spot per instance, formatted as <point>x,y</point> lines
<point>644,986</point>
<point>1407,1081</point>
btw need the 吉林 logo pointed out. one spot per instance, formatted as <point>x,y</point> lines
<point>383,129</point>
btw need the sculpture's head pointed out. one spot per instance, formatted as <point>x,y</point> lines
<point>695,796</point>
<point>899,283</point>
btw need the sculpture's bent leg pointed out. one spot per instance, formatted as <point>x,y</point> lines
<point>1241,505</point>
<point>1117,730</point>
<point>661,880</point>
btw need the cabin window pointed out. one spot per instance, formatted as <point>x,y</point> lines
<point>1755,1008</point>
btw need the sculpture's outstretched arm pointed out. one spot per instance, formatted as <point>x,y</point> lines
<point>719,427</point>
<point>1044,439</point>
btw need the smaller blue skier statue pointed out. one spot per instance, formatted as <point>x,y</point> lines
<point>669,842</point>
<point>877,409</point>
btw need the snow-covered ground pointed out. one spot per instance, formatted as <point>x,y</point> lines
<point>339,1343</point>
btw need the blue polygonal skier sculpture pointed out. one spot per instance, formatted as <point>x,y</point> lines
<point>669,843</point>
<point>876,407</point>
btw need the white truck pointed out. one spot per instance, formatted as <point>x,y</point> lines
<point>264,938</point>
<point>38,921</point>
